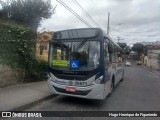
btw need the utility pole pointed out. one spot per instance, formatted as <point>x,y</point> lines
<point>108,24</point>
<point>119,39</point>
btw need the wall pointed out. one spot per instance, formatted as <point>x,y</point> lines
<point>153,61</point>
<point>8,76</point>
<point>42,45</point>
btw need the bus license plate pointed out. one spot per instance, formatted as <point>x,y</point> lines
<point>70,89</point>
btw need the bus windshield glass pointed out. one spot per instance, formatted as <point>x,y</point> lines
<point>75,55</point>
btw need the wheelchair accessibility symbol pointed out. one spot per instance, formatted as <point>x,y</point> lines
<point>74,64</point>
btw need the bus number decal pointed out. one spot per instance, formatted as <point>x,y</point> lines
<point>80,83</point>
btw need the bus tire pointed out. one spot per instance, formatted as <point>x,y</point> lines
<point>122,76</point>
<point>111,87</point>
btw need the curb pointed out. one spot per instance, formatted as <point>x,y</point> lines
<point>150,70</point>
<point>33,103</point>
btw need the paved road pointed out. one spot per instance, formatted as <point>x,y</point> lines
<point>138,92</point>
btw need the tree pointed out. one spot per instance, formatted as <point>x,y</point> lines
<point>29,12</point>
<point>127,50</point>
<point>145,50</point>
<point>1,14</point>
<point>122,45</point>
<point>139,48</point>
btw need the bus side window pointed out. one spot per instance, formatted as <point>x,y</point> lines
<point>119,57</point>
<point>110,51</point>
<point>106,54</point>
<point>116,54</point>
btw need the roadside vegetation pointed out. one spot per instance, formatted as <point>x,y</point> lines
<point>18,34</point>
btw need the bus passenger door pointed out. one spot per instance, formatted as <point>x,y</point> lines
<point>108,70</point>
<point>119,69</point>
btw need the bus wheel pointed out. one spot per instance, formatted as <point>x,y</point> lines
<point>111,88</point>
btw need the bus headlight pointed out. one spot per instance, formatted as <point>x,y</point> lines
<point>49,79</point>
<point>98,80</point>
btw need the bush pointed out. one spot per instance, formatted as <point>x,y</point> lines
<point>36,70</point>
<point>17,50</point>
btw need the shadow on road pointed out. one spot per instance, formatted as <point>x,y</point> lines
<point>80,101</point>
<point>87,103</point>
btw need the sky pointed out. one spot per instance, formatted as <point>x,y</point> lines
<point>131,20</point>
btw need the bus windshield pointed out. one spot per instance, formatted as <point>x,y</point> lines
<point>75,55</point>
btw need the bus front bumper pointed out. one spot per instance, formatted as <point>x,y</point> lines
<point>89,92</point>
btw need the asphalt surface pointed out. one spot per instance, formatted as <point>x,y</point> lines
<point>138,92</point>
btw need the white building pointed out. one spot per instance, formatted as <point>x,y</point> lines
<point>152,59</point>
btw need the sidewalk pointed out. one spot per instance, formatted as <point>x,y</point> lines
<point>157,72</point>
<point>18,97</point>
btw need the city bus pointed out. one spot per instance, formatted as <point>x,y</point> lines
<point>84,63</point>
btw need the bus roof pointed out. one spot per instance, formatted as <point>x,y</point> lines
<point>77,33</point>
<point>82,33</point>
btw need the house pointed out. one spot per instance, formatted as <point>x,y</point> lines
<point>152,59</point>
<point>42,45</point>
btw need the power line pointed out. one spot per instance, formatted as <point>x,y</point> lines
<point>112,37</point>
<point>132,36</point>
<point>138,31</point>
<point>85,12</point>
<point>108,24</point>
<point>119,38</point>
<point>122,34</point>
<point>117,31</point>
<point>93,6</point>
<point>74,13</point>
<point>111,32</point>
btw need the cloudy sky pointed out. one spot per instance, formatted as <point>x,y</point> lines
<point>132,20</point>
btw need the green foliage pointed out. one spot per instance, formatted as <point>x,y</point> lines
<point>17,50</point>
<point>122,45</point>
<point>1,13</point>
<point>138,48</point>
<point>36,70</point>
<point>29,12</point>
<point>16,43</point>
<point>127,50</point>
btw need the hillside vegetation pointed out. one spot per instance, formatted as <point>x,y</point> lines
<point>17,50</point>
